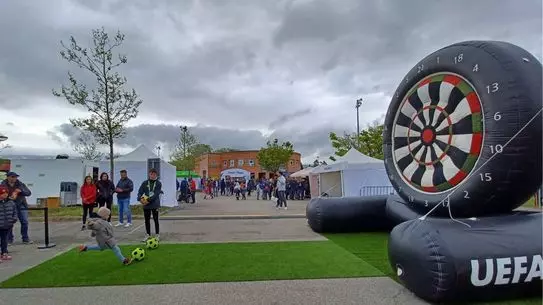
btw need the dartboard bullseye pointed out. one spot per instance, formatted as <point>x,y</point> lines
<point>438,133</point>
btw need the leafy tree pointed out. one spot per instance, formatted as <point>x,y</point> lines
<point>87,147</point>
<point>225,149</point>
<point>342,144</point>
<point>371,142</point>
<point>182,155</point>
<point>200,149</point>
<point>110,105</point>
<point>275,155</point>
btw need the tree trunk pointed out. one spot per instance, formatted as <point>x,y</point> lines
<point>111,159</point>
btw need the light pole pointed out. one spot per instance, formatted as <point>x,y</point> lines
<point>158,150</point>
<point>358,104</point>
<point>184,130</point>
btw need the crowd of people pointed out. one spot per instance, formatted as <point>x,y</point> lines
<point>242,188</point>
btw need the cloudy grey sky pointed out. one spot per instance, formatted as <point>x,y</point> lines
<point>238,70</point>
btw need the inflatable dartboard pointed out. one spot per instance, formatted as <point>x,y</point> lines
<point>464,128</point>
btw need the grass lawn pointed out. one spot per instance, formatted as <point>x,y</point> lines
<point>190,263</point>
<point>373,249</point>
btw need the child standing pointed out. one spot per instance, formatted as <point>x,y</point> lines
<point>149,195</point>
<point>103,231</point>
<point>8,217</point>
<point>88,198</point>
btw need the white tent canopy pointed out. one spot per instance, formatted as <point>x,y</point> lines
<point>302,173</point>
<point>136,163</point>
<point>353,174</point>
<point>142,153</point>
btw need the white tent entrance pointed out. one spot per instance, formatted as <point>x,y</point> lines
<point>354,174</point>
<point>137,164</point>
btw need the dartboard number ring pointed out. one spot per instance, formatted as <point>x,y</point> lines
<point>437,134</point>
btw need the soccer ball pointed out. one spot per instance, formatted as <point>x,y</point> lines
<point>152,243</point>
<point>138,254</point>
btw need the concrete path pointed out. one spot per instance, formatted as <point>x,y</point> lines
<point>224,205</point>
<point>371,291</point>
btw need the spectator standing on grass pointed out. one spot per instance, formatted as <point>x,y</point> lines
<point>106,189</point>
<point>18,191</point>
<point>88,199</point>
<point>149,196</point>
<point>8,217</point>
<point>281,189</point>
<point>124,188</point>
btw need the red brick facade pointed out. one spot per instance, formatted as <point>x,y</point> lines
<point>212,164</point>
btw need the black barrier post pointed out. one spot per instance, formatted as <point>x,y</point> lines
<point>47,244</point>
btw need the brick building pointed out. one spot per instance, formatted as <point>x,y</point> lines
<point>212,164</point>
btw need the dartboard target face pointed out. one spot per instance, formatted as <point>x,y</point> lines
<point>437,133</point>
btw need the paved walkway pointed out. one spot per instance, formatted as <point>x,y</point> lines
<point>371,291</point>
<point>224,205</point>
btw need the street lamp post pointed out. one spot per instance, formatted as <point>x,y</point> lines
<point>358,104</point>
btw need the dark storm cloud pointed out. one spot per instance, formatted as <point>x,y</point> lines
<point>288,117</point>
<point>292,66</point>
<point>307,144</point>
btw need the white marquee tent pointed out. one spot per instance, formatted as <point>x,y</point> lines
<point>353,174</point>
<point>136,163</point>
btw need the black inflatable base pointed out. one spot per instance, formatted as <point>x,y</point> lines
<point>441,260</point>
<point>347,214</point>
<point>398,211</point>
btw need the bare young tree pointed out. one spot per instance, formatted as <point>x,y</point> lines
<point>110,105</point>
<point>87,147</point>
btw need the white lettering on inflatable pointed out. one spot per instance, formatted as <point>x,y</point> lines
<point>519,268</point>
<point>535,269</point>
<point>475,272</point>
<point>505,267</point>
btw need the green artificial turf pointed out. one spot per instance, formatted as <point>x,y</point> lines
<point>190,263</point>
<point>373,249</point>
<point>370,247</point>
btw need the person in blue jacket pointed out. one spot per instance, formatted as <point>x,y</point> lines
<point>149,196</point>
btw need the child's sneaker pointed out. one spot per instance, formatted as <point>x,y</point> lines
<point>157,237</point>
<point>127,225</point>
<point>82,248</point>
<point>146,238</point>
<point>127,261</point>
<point>83,227</point>
<point>119,224</point>
<point>6,257</point>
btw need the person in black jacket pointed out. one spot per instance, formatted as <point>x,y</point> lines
<point>149,196</point>
<point>106,189</point>
<point>18,191</point>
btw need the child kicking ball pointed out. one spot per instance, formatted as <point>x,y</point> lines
<point>103,231</point>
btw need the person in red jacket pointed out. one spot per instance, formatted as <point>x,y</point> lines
<point>88,198</point>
